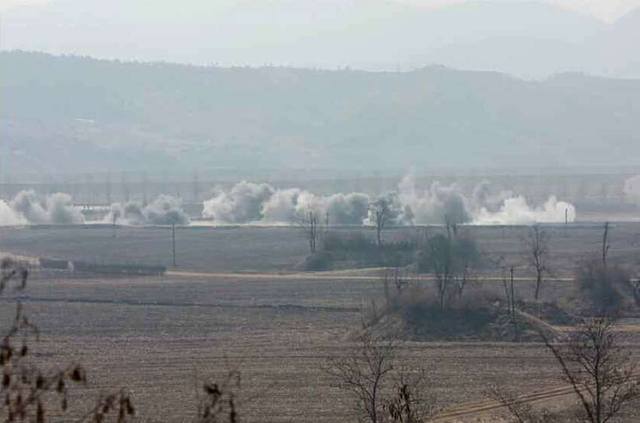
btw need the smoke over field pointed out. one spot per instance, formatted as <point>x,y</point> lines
<point>164,210</point>
<point>30,208</point>
<point>248,202</point>
<point>9,217</point>
<point>262,203</point>
<point>516,211</point>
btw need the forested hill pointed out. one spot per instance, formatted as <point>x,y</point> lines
<point>84,114</point>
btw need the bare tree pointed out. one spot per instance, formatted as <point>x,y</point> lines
<point>605,291</point>
<point>466,258</point>
<point>310,222</point>
<point>605,244</point>
<point>115,215</point>
<point>510,295</point>
<point>450,259</point>
<point>363,374</point>
<point>173,245</point>
<point>410,401</point>
<point>327,224</point>
<point>598,369</point>
<point>219,402</point>
<point>442,263</point>
<point>380,214</point>
<point>381,392</point>
<point>538,248</point>
<point>400,283</point>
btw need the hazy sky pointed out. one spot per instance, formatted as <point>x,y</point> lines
<point>527,38</point>
<point>603,9</point>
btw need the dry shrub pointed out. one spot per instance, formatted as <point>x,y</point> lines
<point>478,315</point>
<point>603,290</point>
<point>465,317</point>
<point>218,403</point>
<point>599,369</point>
<point>354,248</point>
<point>318,261</point>
<point>450,259</point>
<point>27,389</point>
<point>380,390</point>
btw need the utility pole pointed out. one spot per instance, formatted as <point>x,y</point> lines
<point>196,188</point>
<point>173,243</point>
<point>109,189</point>
<point>88,180</point>
<point>512,302</point>
<point>115,223</point>
<point>145,185</point>
<point>125,187</point>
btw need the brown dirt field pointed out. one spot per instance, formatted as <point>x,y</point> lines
<point>279,333</point>
<point>276,249</point>
<point>154,335</point>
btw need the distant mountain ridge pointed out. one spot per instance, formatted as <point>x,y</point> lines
<point>601,50</point>
<point>85,114</point>
<point>526,39</point>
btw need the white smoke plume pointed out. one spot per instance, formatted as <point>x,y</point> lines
<point>484,197</point>
<point>248,202</point>
<point>440,204</point>
<point>282,206</point>
<point>435,205</point>
<point>285,206</point>
<point>164,210</point>
<point>347,209</point>
<point>242,204</point>
<point>263,204</point>
<point>29,208</point>
<point>516,211</point>
<point>632,189</point>
<point>9,217</point>
<point>342,209</point>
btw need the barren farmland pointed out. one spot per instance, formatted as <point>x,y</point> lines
<point>155,336</point>
<point>158,335</point>
<point>283,249</point>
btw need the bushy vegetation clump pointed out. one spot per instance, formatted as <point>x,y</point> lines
<point>356,249</point>
<point>444,253</point>
<point>424,319</point>
<point>604,290</point>
<point>416,314</point>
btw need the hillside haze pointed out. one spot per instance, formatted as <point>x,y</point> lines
<point>525,38</point>
<point>70,114</point>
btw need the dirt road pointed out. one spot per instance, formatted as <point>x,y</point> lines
<point>329,276</point>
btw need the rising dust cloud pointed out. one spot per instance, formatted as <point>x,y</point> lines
<point>264,204</point>
<point>251,203</point>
